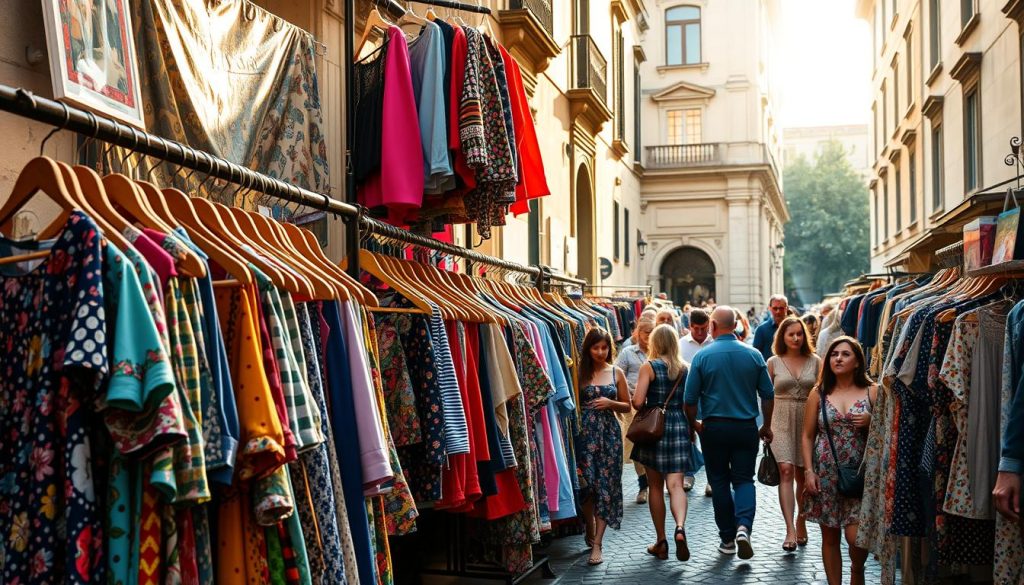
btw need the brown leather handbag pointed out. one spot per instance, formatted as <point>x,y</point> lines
<point>648,424</point>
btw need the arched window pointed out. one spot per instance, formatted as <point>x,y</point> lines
<point>682,35</point>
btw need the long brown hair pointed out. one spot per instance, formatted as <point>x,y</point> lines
<point>587,365</point>
<point>827,379</point>
<point>779,344</point>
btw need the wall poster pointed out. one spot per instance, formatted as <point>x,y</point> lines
<point>92,57</point>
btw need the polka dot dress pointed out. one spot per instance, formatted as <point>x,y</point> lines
<point>52,355</point>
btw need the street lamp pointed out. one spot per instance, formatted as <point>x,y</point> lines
<point>641,246</point>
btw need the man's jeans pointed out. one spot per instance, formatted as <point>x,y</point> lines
<point>730,452</point>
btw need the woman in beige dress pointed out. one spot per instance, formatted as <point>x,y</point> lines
<point>794,370</point>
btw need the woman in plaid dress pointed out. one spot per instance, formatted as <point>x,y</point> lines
<point>665,460</point>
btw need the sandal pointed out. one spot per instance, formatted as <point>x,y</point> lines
<point>801,541</point>
<point>659,550</point>
<point>789,546</point>
<point>682,549</point>
<point>596,558</point>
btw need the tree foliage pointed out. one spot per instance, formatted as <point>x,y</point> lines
<point>827,237</point>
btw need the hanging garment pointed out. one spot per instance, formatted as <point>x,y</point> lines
<point>427,62</point>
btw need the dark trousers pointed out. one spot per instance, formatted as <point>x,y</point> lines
<point>730,452</point>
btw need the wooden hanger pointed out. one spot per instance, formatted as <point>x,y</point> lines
<point>410,17</point>
<point>469,296</point>
<point>368,262</point>
<point>271,258</point>
<point>214,247</point>
<point>305,240</point>
<point>281,251</point>
<point>374,20</point>
<point>110,232</point>
<point>209,217</point>
<point>431,274</point>
<point>128,199</point>
<point>40,175</point>
<point>448,311</point>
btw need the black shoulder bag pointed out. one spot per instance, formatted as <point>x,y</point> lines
<point>850,477</point>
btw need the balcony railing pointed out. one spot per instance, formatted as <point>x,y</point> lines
<point>681,155</point>
<point>589,68</point>
<point>677,156</point>
<point>541,9</point>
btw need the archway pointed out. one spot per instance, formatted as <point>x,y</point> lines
<point>688,276</point>
<point>586,256</point>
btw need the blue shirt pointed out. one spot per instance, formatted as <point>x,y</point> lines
<point>726,378</point>
<point>764,336</point>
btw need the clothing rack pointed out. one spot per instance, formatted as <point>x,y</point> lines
<point>625,287</point>
<point>23,103</point>
<point>952,256</point>
<point>392,7</point>
<point>64,117</point>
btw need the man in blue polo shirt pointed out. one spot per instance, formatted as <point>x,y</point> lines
<point>764,335</point>
<point>726,378</point>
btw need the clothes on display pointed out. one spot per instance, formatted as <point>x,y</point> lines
<point>941,349</point>
<point>196,394</point>
<point>475,156</point>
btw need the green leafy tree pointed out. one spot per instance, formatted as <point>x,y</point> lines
<point>827,237</point>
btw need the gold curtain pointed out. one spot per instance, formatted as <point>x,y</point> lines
<point>234,80</point>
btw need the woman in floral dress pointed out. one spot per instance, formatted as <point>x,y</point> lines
<point>848,394</point>
<point>599,444</point>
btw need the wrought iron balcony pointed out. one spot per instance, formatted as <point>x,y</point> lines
<point>589,67</point>
<point>541,9</point>
<point>528,26</point>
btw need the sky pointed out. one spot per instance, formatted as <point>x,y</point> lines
<point>824,61</point>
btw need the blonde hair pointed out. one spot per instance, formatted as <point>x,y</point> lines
<point>664,345</point>
<point>645,324</point>
<point>668,312</point>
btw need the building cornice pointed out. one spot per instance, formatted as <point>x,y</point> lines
<point>966,66</point>
<point>639,54</point>
<point>909,137</point>
<point>619,11</point>
<point>1014,9</point>
<point>684,91</point>
<point>932,106</point>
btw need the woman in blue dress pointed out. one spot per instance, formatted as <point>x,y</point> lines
<point>599,444</point>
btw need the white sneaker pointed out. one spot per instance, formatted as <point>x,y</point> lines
<point>727,548</point>
<point>746,551</point>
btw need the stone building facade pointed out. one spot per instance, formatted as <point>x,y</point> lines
<point>711,196</point>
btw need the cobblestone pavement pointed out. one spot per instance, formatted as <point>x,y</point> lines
<point>626,562</point>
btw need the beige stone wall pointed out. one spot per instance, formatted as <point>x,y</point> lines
<point>723,196</point>
<point>996,38</point>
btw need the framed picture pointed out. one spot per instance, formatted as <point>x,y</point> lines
<point>92,57</point>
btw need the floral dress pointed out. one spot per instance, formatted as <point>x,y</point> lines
<point>599,454</point>
<point>828,508</point>
<point>54,352</point>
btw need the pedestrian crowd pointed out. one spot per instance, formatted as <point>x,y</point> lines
<point>725,390</point>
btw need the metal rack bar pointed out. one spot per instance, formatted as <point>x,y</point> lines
<point>23,103</point>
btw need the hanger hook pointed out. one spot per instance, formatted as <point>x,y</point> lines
<point>64,124</point>
<point>95,125</point>
<point>135,144</point>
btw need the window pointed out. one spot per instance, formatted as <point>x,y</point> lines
<point>972,141</point>
<point>885,207</point>
<point>908,53</point>
<point>896,95</point>
<point>912,183</point>
<point>581,24</point>
<point>625,223</point>
<point>885,116</point>
<point>934,28</point>
<point>877,223</point>
<point>682,35</point>
<point>684,126</point>
<point>615,228</point>
<point>966,11</point>
<point>620,86</point>
<point>937,165</point>
<point>874,127</point>
<point>637,146</point>
<point>899,198</point>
